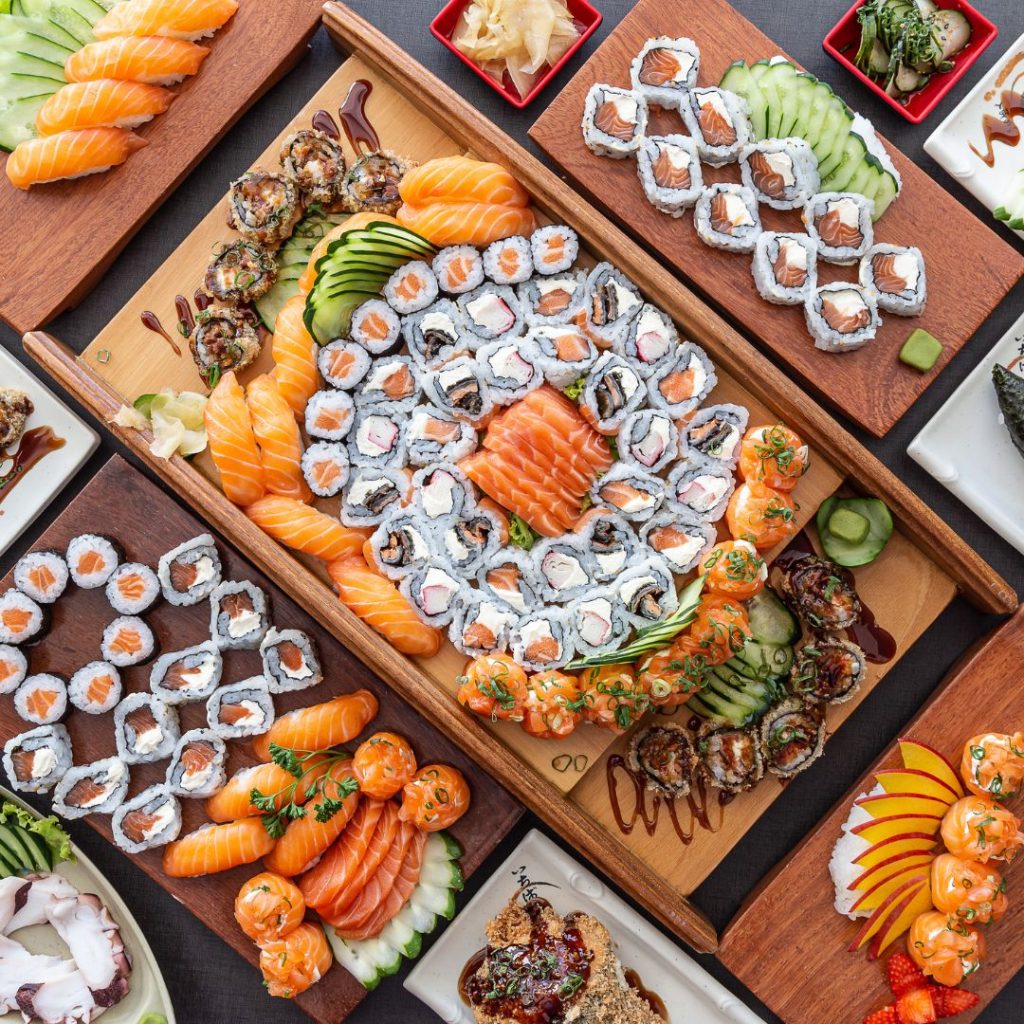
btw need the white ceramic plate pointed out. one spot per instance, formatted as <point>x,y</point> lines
<point>148,993</point>
<point>691,995</point>
<point>950,143</point>
<point>966,447</point>
<point>48,478</point>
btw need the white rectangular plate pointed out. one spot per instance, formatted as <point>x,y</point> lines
<point>949,145</point>
<point>690,993</point>
<point>49,476</point>
<point>966,447</point>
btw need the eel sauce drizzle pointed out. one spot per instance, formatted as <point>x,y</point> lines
<point>34,446</point>
<point>1002,128</point>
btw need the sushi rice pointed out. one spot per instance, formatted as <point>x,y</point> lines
<point>701,487</point>
<point>510,575</point>
<point>375,326</point>
<point>562,568</point>
<point>395,380</point>
<point>841,317</point>
<point>648,592</point>
<point>542,640</point>
<point>370,493</point>
<point>563,353</point>
<point>433,593</point>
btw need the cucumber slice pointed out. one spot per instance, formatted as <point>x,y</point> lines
<point>720,708</point>
<point>763,661</point>
<point>355,957</point>
<point>20,87</point>
<point>738,79</point>
<point>831,149</point>
<point>847,553</point>
<point>730,686</point>
<point>42,847</point>
<point>775,82</point>
<point>796,95</point>
<point>8,863</point>
<point>18,119</point>
<point>705,711</point>
<point>855,153</point>
<point>17,62</point>
<point>15,24</point>
<point>771,622</point>
<point>38,38</point>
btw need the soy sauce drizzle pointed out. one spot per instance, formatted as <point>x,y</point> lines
<point>34,446</point>
<point>1002,128</point>
<point>151,321</point>
<point>186,321</point>
<point>323,122</point>
<point>353,117</point>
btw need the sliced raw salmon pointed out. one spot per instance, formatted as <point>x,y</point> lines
<point>304,528</point>
<point>269,906</point>
<point>292,348</point>
<point>215,848</point>
<point>467,223</point>
<point>460,179</point>
<point>233,443</point>
<point>298,960</point>
<point>322,725</point>
<point>277,435</point>
<point>234,800</point>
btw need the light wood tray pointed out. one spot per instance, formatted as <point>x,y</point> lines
<point>921,569</point>
<point>970,269</point>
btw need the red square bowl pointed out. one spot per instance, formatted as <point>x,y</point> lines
<point>587,19</point>
<point>842,42</point>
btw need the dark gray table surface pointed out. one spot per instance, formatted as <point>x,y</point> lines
<point>209,983</point>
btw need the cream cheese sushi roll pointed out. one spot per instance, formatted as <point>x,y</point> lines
<point>726,217</point>
<point>647,592</point>
<point>481,625</point>
<point>459,389</point>
<point>511,577</point>
<point>610,542</point>
<point>719,122</point>
<point>41,699</point>
<point>97,788</point>
<point>325,467</point>
<point>562,568</point>
<point>670,172</point>
<point>782,173</point>
<point>715,432</point>
<point>411,287</point>
<point>133,588</point>
<point>36,760</point>
<point>435,335</point>
<point>841,317</point>
<point>329,415</point>
<point>554,248</point>
<point>376,436</point>
<point>434,436</point>
<point>510,368</point>
<point>92,560</point>
<point>551,300</point>
<point>401,545</point>
<point>442,490</point>
<point>564,354</point>
<point>895,275</point>
<point>239,616</point>
<point>840,223</point>
<point>392,379</point>
<point>375,326</point>
<point>13,668</point>
<point>611,301</point>
<point>467,538</point>
<point>682,382</point>
<point>241,709</point>
<point>128,640</point>
<point>42,576</point>
<point>343,364</point>
<point>682,541</point>
<point>290,661</point>
<point>372,492</point>
<point>145,729</point>
<point>785,267</point>
<point>22,621</point>
<point>187,675</point>
<point>264,207</point>
<point>189,573</point>
<point>96,688</point>
<point>197,764</point>
<point>542,640</point>
<point>614,121</point>
<point>630,491</point>
<point>648,439</point>
<point>613,389</point>
<point>701,487</point>
<point>651,342</point>
<point>597,622</point>
<point>665,69</point>
<point>434,592</point>
<point>151,819</point>
<point>509,260</point>
<point>489,312</point>
<point>459,269</point>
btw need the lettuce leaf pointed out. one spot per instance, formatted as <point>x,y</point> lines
<point>48,829</point>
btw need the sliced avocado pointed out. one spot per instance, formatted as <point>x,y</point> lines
<point>844,552</point>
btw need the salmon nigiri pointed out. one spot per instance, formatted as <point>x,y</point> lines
<point>150,59</point>
<point>296,961</point>
<point>304,528</point>
<point>104,103</point>
<point>179,19</point>
<point>459,179</point>
<point>277,435</point>
<point>377,601</point>
<point>292,347</point>
<point>217,848</point>
<point>235,799</point>
<point>233,443</point>
<point>322,725</point>
<point>467,223</point>
<point>70,155</point>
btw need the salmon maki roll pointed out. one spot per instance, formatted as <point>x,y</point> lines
<point>214,848</point>
<point>322,725</point>
<point>13,668</point>
<point>153,60</point>
<point>96,688</point>
<point>177,19</point>
<point>42,576</point>
<point>293,350</point>
<point>269,906</point>
<point>294,963</point>
<point>70,154</point>
<point>277,435</point>
<point>153,818</point>
<point>305,529</point>
<point>233,443</point>
<point>41,699</point>
<point>103,103</point>
<point>97,788</point>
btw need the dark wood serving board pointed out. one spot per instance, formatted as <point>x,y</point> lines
<point>969,268</point>
<point>59,239</point>
<point>788,944</point>
<point>123,504</point>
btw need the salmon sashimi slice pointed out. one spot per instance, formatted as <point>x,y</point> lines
<point>292,349</point>
<point>567,425</point>
<point>214,848</point>
<point>322,725</point>
<point>153,60</point>
<point>458,179</point>
<point>305,529</point>
<point>278,437</point>
<point>103,103</point>
<point>322,883</point>
<point>306,839</point>
<point>467,223</point>
<point>177,19</point>
<point>378,602</point>
<point>71,154</point>
<point>235,799</point>
<point>518,440</point>
<point>678,385</point>
<point>539,477</point>
<point>406,881</point>
<point>296,961</point>
<point>269,906</point>
<point>354,883</point>
<point>233,443</point>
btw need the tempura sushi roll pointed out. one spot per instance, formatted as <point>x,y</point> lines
<point>151,819</point>
<point>828,670</point>
<point>510,368</point>
<point>459,389</point>
<point>401,545</point>
<point>730,758</point>
<point>133,588</point>
<point>612,391</point>
<point>42,699</point>
<point>648,439</point>
<point>264,207</point>
<point>682,541</point>
<point>895,273</point>
<point>610,542</point>
<point>509,260</point>
<point>542,640</point>
<point>189,573</point>
<point>614,121</point>
<point>651,343</point>
<point>240,272</point>
<point>197,764</point>
<point>782,173</point>
<point>375,326</point>
<point>329,415</point>
<point>434,593</point>
<point>145,729</point>
<point>435,334</point>
<point>719,122</point>
<point>510,576</point>
<point>128,640</point>
<point>611,301</point>
<point>551,300</point>
<point>435,436</point>
<point>325,468</point>
<point>290,661</point>
<point>224,338</point>
<point>597,622</point>
<point>467,538</point>
<point>376,436</point>
<point>96,688</point>
<point>792,737</point>
<point>36,760</point>
<point>22,621</point>
<point>670,172</point>
<point>841,317</point>
<point>648,592</point>
<point>239,616</point>
<point>481,625</point>
<point>701,487</point>
<point>241,709</point>
<point>632,492</point>
<point>715,432</point>
<point>42,576</point>
<point>343,364</point>
<point>442,490</point>
<point>371,184</point>
<point>92,560</point>
<point>13,668</point>
<point>563,353</point>
<point>458,269</point>
<point>412,287</point>
<point>392,379</point>
<point>726,217</point>
<point>491,311</point>
<point>187,675</point>
<point>316,163</point>
<point>665,69</point>
<point>97,788</point>
<point>554,248</point>
<point>840,223</point>
<point>371,492</point>
<point>785,267</point>
<point>562,568</point>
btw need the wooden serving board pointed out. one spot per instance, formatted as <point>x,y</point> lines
<point>791,914</point>
<point>59,239</point>
<point>969,268</point>
<point>121,503</point>
<point>926,561</point>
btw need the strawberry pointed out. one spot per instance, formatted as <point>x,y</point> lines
<point>951,1001</point>
<point>903,974</point>
<point>916,1007</point>
<point>883,1016</point>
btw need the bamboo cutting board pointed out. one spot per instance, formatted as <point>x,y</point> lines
<point>788,945</point>
<point>59,239</point>
<point>121,503</point>
<point>969,268</point>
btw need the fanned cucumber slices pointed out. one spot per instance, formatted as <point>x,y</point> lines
<point>785,102</point>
